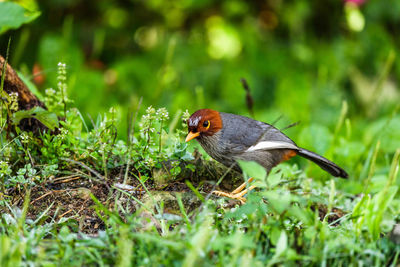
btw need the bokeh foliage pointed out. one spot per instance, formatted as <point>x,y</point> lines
<point>301,58</point>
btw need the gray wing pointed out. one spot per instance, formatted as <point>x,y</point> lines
<point>248,134</point>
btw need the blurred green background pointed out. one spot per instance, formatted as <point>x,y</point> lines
<point>305,60</point>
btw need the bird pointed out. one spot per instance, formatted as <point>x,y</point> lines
<point>229,137</point>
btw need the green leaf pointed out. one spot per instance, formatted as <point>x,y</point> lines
<point>281,246</point>
<point>279,201</point>
<point>253,169</point>
<point>48,118</point>
<point>360,212</point>
<point>378,207</point>
<point>12,16</point>
<point>302,214</point>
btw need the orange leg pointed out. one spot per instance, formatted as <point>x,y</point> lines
<point>238,193</point>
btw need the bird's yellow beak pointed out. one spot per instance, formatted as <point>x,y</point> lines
<point>191,135</point>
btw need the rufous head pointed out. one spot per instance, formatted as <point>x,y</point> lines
<point>204,122</point>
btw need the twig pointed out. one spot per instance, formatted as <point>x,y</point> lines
<point>277,119</point>
<point>42,196</point>
<point>67,180</point>
<point>3,76</point>
<point>131,123</point>
<point>131,132</point>
<point>63,177</point>
<point>249,98</point>
<point>102,179</point>
<point>159,144</point>
<point>290,125</point>
<point>98,175</point>
<point>65,213</point>
<point>138,190</point>
<point>45,195</point>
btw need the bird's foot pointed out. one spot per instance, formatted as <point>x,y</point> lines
<point>238,193</point>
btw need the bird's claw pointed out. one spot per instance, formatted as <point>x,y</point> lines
<point>238,196</point>
<point>238,193</point>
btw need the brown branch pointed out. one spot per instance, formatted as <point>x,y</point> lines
<point>26,99</point>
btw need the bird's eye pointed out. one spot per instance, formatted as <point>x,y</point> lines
<point>206,124</point>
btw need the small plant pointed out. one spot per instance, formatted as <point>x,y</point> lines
<point>156,143</point>
<point>57,100</point>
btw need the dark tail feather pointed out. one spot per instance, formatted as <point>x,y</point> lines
<point>324,163</point>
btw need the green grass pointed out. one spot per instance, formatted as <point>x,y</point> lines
<point>292,219</point>
<point>276,226</point>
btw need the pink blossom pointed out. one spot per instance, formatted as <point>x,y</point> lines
<point>356,2</point>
